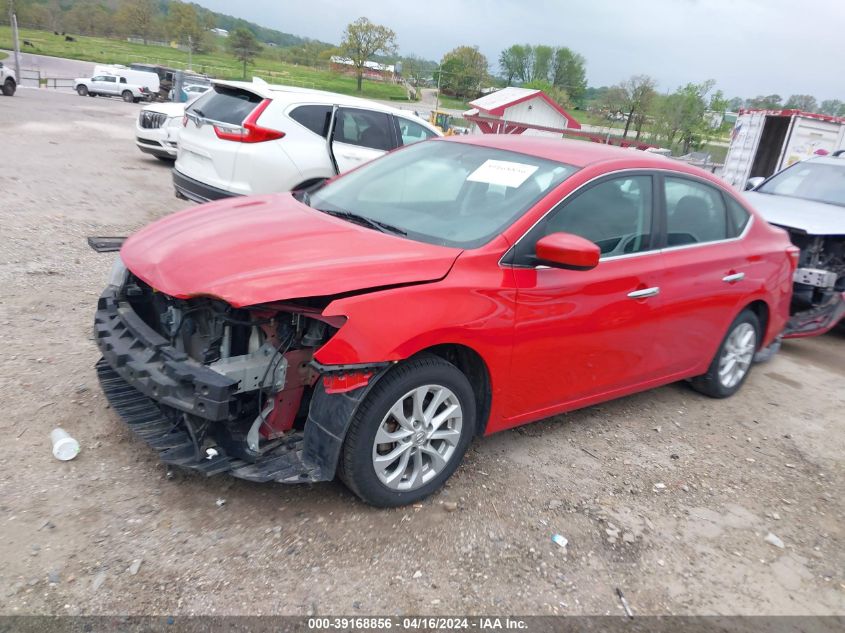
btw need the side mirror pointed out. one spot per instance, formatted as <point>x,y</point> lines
<point>753,183</point>
<point>564,250</point>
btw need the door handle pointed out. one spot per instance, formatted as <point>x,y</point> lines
<point>729,279</point>
<point>645,293</point>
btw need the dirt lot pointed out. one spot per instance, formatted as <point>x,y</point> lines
<point>689,486</point>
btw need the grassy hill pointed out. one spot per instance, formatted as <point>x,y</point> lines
<point>219,65</point>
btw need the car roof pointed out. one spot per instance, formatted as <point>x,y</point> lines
<point>294,94</point>
<point>571,152</point>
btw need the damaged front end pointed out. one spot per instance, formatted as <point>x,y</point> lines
<point>220,389</point>
<point>818,299</point>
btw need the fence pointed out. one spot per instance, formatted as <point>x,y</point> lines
<point>35,79</point>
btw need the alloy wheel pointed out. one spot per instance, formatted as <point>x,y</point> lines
<point>417,437</point>
<point>737,355</point>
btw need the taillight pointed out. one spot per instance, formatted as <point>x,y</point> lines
<point>250,131</point>
<point>184,120</point>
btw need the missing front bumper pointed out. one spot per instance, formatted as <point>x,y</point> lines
<point>171,438</point>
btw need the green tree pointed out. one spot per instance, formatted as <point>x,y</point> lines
<point>807,103</point>
<point>363,39</point>
<point>89,18</point>
<point>138,17</point>
<point>636,95</point>
<point>512,61</point>
<point>833,107</point>
<point>766,102</point>
<point>462,71</point>
<point>244,46</point>
<point>681,116</point>
<point>569,73</point>
<point>541,62</point>
<point>186,27</point>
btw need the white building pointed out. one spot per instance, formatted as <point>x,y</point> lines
<point>520,110</point>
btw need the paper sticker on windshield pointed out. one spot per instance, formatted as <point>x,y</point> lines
<point>502,172</point>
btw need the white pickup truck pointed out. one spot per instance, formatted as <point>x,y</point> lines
<point>8,84</point>
<point>112,86</point>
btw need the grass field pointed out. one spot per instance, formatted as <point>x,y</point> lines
<point>218,64</point>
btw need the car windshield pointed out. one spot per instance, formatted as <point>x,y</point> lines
<point>452,194</point>
<point>817,181</point>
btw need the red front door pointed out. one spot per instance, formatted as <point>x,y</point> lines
<point>581,334</point>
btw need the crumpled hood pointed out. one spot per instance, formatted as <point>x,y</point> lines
<point>270,248</point>
<point>814,218</point>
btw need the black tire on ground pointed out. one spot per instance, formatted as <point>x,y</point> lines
<point>128,97</point>
<point>710,384</point>
<point>166,159</point>
<point>82,90</point>
<point>356,468</point>
<point>9,87</point>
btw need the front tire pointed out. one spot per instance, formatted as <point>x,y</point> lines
<point>82,91</point>
<point>732,363</point>
<point>410,433</point>
<point>9,87</point>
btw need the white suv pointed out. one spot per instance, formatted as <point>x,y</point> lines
<point>252,138</point>
<point>157,129</point>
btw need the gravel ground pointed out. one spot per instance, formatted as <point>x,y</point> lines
<point>667,495</point>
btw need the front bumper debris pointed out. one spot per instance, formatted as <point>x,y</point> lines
<point>170,437</point>
<point>145,360</point>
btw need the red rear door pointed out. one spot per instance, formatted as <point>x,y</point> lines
<point>704,284</point>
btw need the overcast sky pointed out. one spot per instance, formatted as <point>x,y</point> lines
<point>749,47</point>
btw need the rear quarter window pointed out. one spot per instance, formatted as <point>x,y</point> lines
<point>738,217</point>
<point>315,117</point>
<point>226,105</point>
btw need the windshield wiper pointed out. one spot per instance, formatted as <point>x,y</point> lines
<point>384,227</point>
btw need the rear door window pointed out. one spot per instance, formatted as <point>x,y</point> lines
<point>365,128</point>
<point>695,212</point>
<point>315,117</point>
<point>225,105</point>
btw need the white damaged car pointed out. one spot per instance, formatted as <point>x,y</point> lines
<point>807,200</point>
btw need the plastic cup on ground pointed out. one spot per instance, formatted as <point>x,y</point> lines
<point>65,447</point>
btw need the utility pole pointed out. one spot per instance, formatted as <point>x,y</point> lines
<point>437,94</point>
<point>13,20</point>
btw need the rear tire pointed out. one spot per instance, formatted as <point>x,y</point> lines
<point>732,363</point>
<point>128,97</point>
<point>9,87</point>
<point>82,91</point>
<point>429,441</point>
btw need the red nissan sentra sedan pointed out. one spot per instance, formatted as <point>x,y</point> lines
<point>372,327</point>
